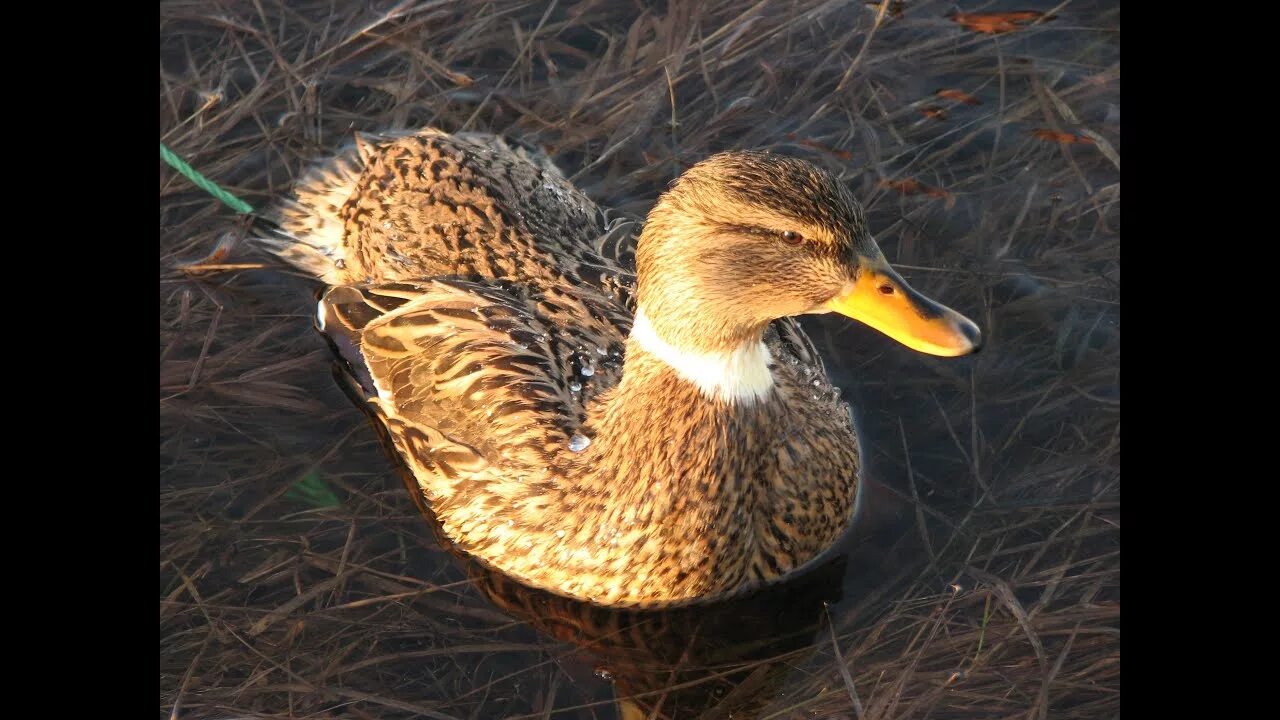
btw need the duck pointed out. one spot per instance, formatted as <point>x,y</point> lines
<point>628,414</point>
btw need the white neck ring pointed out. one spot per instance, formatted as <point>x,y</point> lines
<point>740,375</point>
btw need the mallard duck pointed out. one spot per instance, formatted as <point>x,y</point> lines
<point>634,421</point>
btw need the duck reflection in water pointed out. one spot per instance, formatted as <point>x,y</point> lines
<point>706,660</point>
<point>723,659</point>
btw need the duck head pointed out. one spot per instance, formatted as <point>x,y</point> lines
<point>744,238</point>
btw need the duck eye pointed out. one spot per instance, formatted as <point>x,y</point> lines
<point>791,237</point>
<point>886,289</point>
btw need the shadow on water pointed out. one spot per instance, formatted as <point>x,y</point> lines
<point>708,660</point>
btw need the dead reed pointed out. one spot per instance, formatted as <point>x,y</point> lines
<point>987,153</point>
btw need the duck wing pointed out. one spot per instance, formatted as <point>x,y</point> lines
<point>477,380</point>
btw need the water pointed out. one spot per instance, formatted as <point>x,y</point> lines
<point>997,474</point>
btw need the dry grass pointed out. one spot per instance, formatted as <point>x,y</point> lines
<point>1004,601</point>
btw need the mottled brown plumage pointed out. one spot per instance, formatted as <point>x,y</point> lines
<point>484,304</point>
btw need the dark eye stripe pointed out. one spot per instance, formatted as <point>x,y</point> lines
<point>790,237</point>
<point>749,230</point>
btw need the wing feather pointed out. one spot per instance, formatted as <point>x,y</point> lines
<point>469,378</point>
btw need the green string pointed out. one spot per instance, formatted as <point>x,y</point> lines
<point>203,182</point>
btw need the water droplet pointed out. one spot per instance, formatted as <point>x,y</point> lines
<point>575,386</point>
<point>817,383</point>
<point>604,674</point>
<point>601,352</point>
<point>559,533</point>
<point>588,371</point>
<point>578,443</point>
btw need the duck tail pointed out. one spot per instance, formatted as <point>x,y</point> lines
<point>306,228</point>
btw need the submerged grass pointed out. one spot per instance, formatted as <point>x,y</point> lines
<point>989,164</point>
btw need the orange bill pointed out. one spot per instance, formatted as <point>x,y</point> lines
<point>882,299</point>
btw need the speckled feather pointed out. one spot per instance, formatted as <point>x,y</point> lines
<point>484,305</point>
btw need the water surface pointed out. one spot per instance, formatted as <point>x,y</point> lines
<point>298,578</point>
